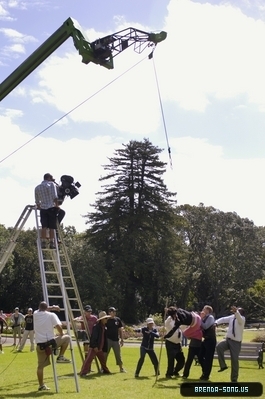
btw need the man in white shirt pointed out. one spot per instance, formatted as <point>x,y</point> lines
<point>232,341</point>
<point>44,324</point>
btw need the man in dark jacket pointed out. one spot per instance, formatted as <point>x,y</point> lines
<point>147,346</point>
<point>98,346</point>
<point>208,344</point>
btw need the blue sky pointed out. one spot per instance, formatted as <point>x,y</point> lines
<point>210,71</point>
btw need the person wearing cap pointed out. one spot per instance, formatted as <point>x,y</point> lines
<point>90,321</point>
<point>46,198</point>
<point>98,346</point>
<point>16,320</point>
<point>147,346</point>
<point>115,337</point>
<point>28,332</point>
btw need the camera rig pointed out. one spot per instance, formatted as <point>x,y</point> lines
<point>67,188</point>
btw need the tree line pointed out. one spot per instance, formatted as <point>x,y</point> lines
<point>142,250</point>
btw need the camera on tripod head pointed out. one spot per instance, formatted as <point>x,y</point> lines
<point>67,188</point>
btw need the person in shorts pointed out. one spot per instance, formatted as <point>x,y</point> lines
<point>44,324</point>
<point>46,198</point>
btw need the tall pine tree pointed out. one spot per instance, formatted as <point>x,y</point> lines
<point>132,225</point>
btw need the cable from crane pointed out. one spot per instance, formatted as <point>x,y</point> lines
<point>162,111</point>
<point>72,110</point>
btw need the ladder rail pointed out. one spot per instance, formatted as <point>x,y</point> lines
<point>11,242</point>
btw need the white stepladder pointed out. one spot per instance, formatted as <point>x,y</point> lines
<point>59,288</point>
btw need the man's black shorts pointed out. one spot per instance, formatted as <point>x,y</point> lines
<point>48,218</point>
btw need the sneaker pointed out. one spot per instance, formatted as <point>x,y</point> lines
<point>62,359</point>
<point>43,245</point>
<point>52,245</point>
<point>19,350</point>
<point>2,352</point>
<point>43,388</point>
<point>136,375</point>
<point>122,370</point>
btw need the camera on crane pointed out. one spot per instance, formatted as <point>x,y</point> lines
<point>67,188</point>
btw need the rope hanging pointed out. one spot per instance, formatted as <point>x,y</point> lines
<point>162,111</point>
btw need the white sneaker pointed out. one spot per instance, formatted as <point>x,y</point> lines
<point>43,388</point>
<point>62,359</point>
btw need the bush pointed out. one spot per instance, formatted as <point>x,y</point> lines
<point>260,337</point>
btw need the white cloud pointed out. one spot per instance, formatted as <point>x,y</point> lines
<point>16,48</point>
<point>13,113</point>
<point>130,104</point>
<point>211,51</point>
<point>18,37</point>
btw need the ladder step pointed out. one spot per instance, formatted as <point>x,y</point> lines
<point>50,272</point>
<point>53,285</point>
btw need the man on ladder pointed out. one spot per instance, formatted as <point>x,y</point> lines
<point>44,323</point>
<point>46,199</point>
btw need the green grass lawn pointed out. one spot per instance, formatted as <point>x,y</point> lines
<point>18,377</point>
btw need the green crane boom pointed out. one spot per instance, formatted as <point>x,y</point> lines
<point>101,51</point>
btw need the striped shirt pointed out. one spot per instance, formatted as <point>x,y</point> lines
<point>45,194</point>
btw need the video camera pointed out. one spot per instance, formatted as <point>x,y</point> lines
<point>67,188</point>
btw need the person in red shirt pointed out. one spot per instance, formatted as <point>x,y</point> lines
<point>90,321</point>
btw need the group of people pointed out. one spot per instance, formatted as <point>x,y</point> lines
<point>106,333</point>
<point>201,330</point>
<point>19,323</point>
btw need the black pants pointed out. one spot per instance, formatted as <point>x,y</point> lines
<point>153,358</point>
<point>206,356</point>
<point>174,353</point>
<point>193,351</point>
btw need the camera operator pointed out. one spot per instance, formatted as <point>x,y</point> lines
<point>44,323</point>
<point>173,345</point>
<point>46,199</point>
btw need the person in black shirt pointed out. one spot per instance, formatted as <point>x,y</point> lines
<point>114,334</point>
<point>28,332</point>
<point>147,346</point>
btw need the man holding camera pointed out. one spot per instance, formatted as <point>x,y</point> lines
<point>46,198</point>
<point>44,324</point>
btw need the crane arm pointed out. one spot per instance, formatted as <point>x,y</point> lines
<point>101,51</point>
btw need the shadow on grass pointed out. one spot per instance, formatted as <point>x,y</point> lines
<point>33,394</point>
<point>160,385</point>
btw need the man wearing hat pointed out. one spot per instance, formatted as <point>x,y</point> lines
<point>98,346</point>
<point>28,332</point>
<point>115,337</point>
